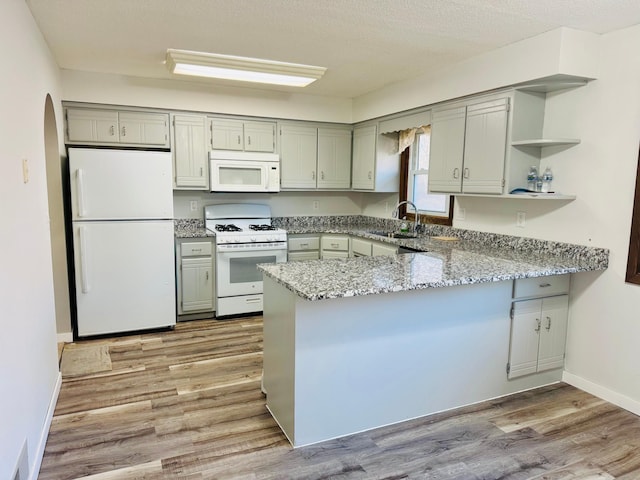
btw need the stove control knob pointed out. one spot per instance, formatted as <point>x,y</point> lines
<point>253,239</point>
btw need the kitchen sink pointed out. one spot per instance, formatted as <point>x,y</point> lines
<point>392,234</point>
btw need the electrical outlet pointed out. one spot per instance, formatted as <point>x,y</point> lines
<point>521,219</point>
<point>194,205</point>
<point>316,204</point>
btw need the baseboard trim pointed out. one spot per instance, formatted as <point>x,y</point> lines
<point>66,337</point>
<point>34,470</point>
<point>604,393</point>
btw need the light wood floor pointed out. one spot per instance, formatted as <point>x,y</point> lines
<point>187,404</point>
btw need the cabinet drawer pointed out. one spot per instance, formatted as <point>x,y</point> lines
<point>293,256</point>
<point>541,286</point>
<point>330,254</point>
<point>304,243</point>
<point>192,249</point>
<point>335,242</point>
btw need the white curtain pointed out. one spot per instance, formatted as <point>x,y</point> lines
<point>406,137</point>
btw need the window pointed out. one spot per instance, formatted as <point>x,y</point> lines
<point>633,260</point>
<point>433,208</point>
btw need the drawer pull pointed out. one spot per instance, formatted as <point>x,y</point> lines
<point>537,329</point>
<point>548,327</point>
<point>545,285</point>
<point>304,244</point>
<point>335,245</point>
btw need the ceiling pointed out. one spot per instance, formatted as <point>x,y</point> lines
<point>364,44</point>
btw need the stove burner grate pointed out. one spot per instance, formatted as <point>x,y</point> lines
<point>227,228</point>
<point>261,227</point>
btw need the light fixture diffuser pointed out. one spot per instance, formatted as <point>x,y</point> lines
<point>228,67</point>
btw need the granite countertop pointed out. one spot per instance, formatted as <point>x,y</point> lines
<point>475,257</point>
<point>191,228</point>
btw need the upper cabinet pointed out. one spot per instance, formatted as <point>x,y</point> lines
<point>115,127</point>
<point>298,156</point>
<point>190,152</point>
<point>486,145</point>
<point>314,157</point>
<point>250,136</point>
<point>468,145</point>
<point>334,158</point>
<point>376,162</point>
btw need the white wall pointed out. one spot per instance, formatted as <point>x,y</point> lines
<point>282,204</point>
<point>202,97</point>
<point>558,52</point>
<point>28,357</point>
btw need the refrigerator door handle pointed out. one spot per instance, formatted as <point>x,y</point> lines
<point>80,189</point>
<point>84,273</point>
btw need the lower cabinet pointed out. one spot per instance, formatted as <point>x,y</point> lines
<point>363,248</point>
<point>303,247</point>
<point>195,276</point>
<point>334,246</point>
<point>538,326</point>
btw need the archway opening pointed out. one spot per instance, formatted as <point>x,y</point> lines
<point>54,168</point>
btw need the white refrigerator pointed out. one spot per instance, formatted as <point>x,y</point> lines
<point>123,240</point>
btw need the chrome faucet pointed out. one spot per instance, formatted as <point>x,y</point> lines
<point>416,222</point>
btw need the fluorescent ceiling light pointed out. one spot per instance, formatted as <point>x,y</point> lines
<point>243,69</point>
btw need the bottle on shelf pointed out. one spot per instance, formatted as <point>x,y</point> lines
<point>532,178</point>
<point>547,178</point>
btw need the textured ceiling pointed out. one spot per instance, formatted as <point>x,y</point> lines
<point>364,44</point>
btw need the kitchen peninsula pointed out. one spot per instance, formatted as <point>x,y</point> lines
<point>354,344</point>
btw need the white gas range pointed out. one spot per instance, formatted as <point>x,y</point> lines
<point>244,238</point>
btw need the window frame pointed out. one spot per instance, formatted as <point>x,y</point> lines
<point>633,259</point>
<point>403,194</point>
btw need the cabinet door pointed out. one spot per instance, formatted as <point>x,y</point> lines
<point>298,152</point>
<point>364,158</point>
<point>190,151</point>
<point>227,134</point>
<point>259,137</point>
<point>525,329</point>
<point>553,332</point>
<point>143,128</point>
<point>447,150</point>
<point>84,125</point>
<point>197,284</point>
<point>379,249</point>
<point>334,158</point>
<point>485,147</point>
<point>360,247</point>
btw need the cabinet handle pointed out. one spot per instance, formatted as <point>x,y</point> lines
<point>84,271</point>
<point>548,327</point>
<point>249,140</point>
<point>124,131</point>
<point>304,244</point>
<point>313,175</point>
<point>466,173</point>
<point>456,173</point>
<point>544,285</point>
<point>370,173</point>
<point>335,245</point>
<point>207,275</point>
<point>80,192</point>
<point>537,325</point>
<point>200,171</point>
<point>112,130</point>
<point>238,139</point>
<point>322,175</point>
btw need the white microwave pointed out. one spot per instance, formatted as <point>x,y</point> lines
<point>232,171</point>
